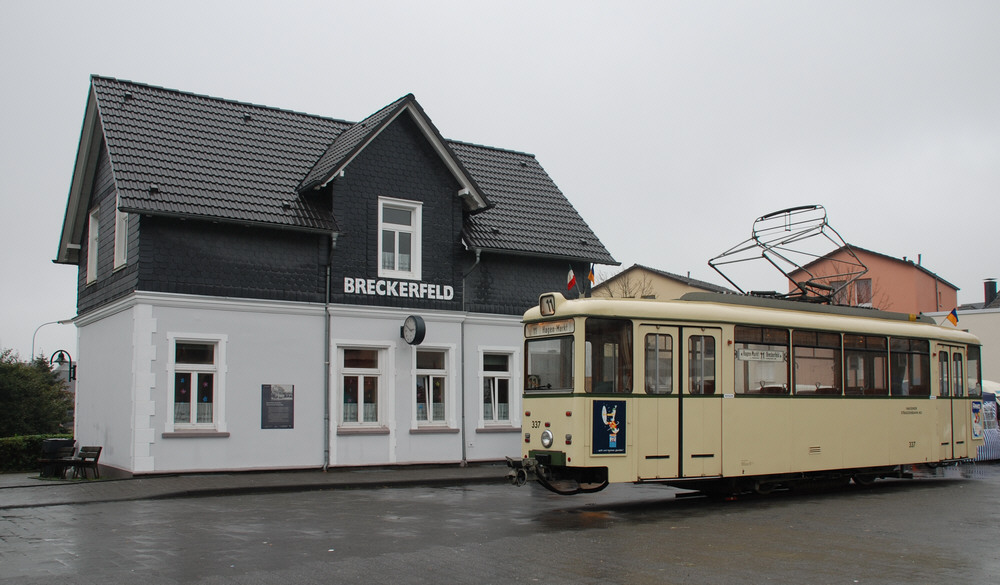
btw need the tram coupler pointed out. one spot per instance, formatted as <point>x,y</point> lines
<point>519,470</point>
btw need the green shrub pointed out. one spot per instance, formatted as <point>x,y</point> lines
<point>33,398</point>
<point>21,453</point>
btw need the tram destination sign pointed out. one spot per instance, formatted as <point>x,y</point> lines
<point>760,355</point>
<point>549,328</point>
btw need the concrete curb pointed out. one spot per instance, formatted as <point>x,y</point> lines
<point>60,493</point>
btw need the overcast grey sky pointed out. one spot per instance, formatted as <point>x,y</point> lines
<point>670,126</point>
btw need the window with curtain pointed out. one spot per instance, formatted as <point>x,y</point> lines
<point>361,380</point>
<point>430,385</point>
<point>194,373</point>
<point>496,387</point>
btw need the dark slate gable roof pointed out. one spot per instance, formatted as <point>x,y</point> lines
<point>188,155</point>
<point>530,215</point>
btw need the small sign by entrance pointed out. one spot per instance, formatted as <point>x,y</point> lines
<point>277,406</point>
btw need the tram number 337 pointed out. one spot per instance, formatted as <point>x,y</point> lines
<point>913,444</point>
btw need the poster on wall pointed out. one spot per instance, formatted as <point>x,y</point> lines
<point>609,427</point>
<point>277,406</point>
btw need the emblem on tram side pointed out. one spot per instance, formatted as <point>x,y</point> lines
<point>609,427</point>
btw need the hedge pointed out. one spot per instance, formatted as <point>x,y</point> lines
<point>21,453</point>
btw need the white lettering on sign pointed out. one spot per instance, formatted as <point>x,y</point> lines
<point>397,288</point>
<point>760,355</point>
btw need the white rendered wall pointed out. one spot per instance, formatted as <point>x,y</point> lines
<point>496,334</point>
<point>406,442</point>
<point>104,387</point>
<point>124,396</point>
<point>266,343</point>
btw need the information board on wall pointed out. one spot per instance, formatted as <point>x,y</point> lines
<point>277,406</point>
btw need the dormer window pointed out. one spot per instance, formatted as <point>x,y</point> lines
<point>399,224</point>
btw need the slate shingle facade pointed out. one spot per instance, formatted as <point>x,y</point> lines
<point>212,162</point>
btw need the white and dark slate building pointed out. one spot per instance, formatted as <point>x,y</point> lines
<point>245,273</point>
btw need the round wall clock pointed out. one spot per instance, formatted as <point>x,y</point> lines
<point>413,330</point>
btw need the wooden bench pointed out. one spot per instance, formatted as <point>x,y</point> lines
<point>87,459</point>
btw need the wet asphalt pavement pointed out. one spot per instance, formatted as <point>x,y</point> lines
<point>939,528</point>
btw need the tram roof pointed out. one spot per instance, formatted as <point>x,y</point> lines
<point>748,310</point>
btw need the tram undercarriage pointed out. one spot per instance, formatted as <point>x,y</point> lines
<point>566,481</point>
<point>766,484</point>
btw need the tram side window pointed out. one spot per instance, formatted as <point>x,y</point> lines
<point>761,360</point>
<point>866,359</point>
<point>910,367</point>
<point>609,355</point>
<point>817,368</point>
<point>701,364</point>
<point>659,364</point>
<point>975,371</point>
<point>549,365</point>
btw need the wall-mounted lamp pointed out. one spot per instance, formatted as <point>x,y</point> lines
<point>62,357</point>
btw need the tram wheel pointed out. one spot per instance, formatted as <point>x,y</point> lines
<point>764,488</point>
<point>864,479</point>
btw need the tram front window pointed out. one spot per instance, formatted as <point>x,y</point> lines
<point>609,355</point>
<point>549,365</point>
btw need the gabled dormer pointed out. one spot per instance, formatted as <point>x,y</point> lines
<point>350,143</point>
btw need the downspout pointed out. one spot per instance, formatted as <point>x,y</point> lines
<point>327,333</point>
<point>465,454</point>
<point>326,354</point>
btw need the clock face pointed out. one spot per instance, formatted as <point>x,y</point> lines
<point>413,330</point>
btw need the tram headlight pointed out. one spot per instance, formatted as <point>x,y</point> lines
<point>547,438</point>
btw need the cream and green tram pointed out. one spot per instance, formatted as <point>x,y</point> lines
<point>731,393</point>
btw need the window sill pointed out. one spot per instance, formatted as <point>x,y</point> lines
<point>341,431</point>
<point>433,430</point>
<point>195,434</point>
<point>498,429</point>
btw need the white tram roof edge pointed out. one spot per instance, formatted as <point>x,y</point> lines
<point>757,311</point>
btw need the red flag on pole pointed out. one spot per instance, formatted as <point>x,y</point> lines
<point>570,279</point>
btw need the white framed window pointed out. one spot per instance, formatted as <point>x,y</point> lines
<point>431,386</point>
<point>399,232</point>
<point>497,371</point>
<point>361,375</point>
<point>93,240</point>
<point>196,380</point>
<point>121,238</point>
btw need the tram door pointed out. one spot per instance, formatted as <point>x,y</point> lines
<point>658,412</point>
<point>701,402</point>
<point>953,379</point>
